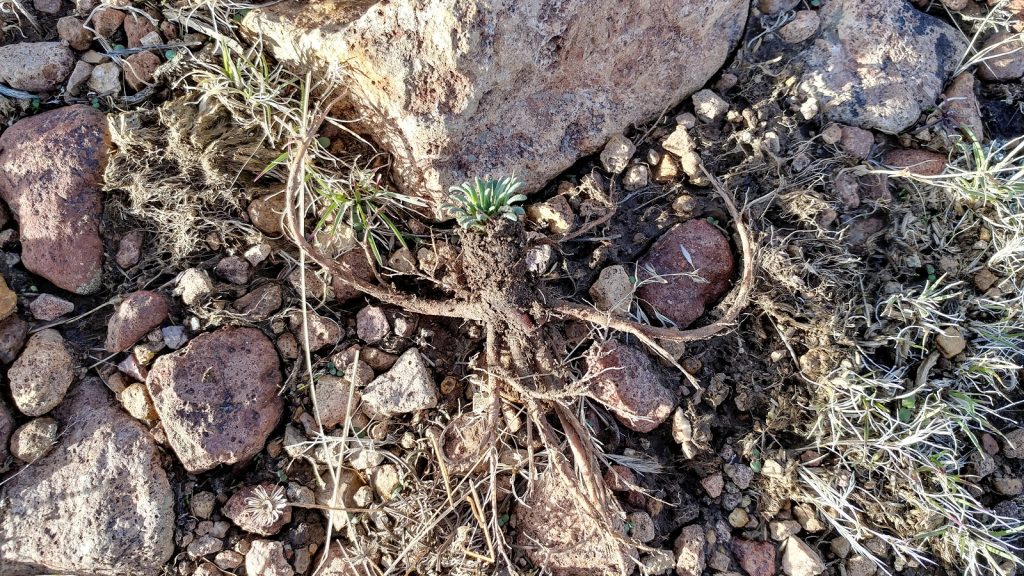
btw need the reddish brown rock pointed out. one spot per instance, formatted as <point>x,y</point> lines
<point>357,263</point>
<point>847,188</point>
<point>35,66</point>
<point>677,296</point>
<point>624,379</point>
<point>217,397</point>
<point>962,105</point>
<point>107,503</point>
<point>265,213</point>
<point>1004,58</point>
<point>260,303</point>
<point>874,187</point>
<point>13,332</point>
<point>234,269</point>
<point>129,249</point>
<point>139,313</point>
<point>863,229</point>
<point>236,509</point>
<point>756,558</point>
<point>619,478</point>
<point>51,169</point>
<point>47,6</point>
<point>106,21</point>
<point>135,28</point>
<point>139,69</point>
<point>372,324</point>
<point>48,307</point>
<point>72,30</point>
<point>333,393</point>
<point>919,162</point>
<point>857,142</point>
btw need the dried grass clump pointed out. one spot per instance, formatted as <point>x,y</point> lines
<point>183,171</point>
<point>898,432</point>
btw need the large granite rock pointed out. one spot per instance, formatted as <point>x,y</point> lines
<point>35,66</point>
<point>458,88</point>
<point>878,63</point>
<point>100,503</point>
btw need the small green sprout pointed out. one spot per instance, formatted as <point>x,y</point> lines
<point>474,203</point>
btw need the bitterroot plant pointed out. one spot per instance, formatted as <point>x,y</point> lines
<point>265,507</point>
<point>474,203</point>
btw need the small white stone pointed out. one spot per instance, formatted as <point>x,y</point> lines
<point>613,290</point>
<point>258,253</point>
<point>799,559</point>
<point>617,153</point>
<point>556,215</point>
<point>105,78</point>
<point>407,387</point>
<point>151,39</point>
<point>780,530</point>
<point>636,177</point>
<point>193,284</point>
<point>809,109</point>
<point>363,458</point>
<point>709,106</point>
<point>174,336</point>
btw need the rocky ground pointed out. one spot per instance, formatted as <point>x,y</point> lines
<point>189,390</point>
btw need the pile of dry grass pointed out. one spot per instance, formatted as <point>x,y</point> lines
<point>183,173</point>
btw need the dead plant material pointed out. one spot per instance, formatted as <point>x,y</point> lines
<point>522,344</point>
<point>182,168</point>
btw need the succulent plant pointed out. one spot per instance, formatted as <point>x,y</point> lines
<point>475,203</point>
